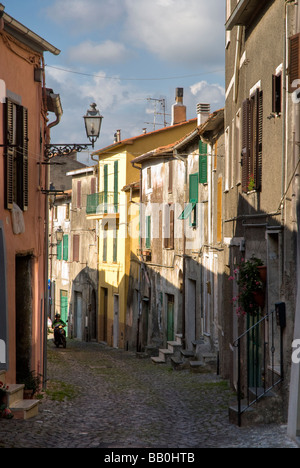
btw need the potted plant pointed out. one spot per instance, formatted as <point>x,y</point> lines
<point>5,412</point>
<point>32,382</point>
<point>251,287</point>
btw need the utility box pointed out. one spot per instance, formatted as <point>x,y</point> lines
<point>280,314</point>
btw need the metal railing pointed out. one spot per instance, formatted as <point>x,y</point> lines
<point>258,347</point>
<point>102,203</point>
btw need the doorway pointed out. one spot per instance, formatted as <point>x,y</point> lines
<point>78,315</point>
<point>103,314</point>
<point>24,311</point>
<point>64,306</point>
<point>93,317</point>
<point>170,317</point>
<point>116,322</point>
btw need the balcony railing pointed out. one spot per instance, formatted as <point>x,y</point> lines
<point>102,203</point>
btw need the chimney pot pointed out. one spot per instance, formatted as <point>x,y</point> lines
<point>178,109</point>
<point>203,111</point>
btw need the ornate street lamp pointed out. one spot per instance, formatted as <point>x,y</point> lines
<point>59,234</point>
<point>92,120</point>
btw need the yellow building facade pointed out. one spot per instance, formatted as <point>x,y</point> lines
<point>116,207</point>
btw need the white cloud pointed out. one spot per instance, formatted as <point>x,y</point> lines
<point>107,52</point>
<point>180,31</point>
<point>84,15</point>
<point>213,94</point>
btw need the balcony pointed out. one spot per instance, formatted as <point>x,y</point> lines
<point>244,12</point>
<point>103,204</point>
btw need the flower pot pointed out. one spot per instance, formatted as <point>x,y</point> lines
<point>262,273</point>
<point>259,297</point>
<point>28,394</point>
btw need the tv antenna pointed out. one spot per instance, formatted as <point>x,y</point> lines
<point>162,103</point>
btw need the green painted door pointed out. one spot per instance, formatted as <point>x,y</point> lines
<point>64,306</point>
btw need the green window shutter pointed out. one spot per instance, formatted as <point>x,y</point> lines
<point>148,232</point>
<point>66,248</point>
<point>105,187</point>
<point>202,162</point>
<point>116,183</point>
<point>59,251</point>
<point>194,188</point>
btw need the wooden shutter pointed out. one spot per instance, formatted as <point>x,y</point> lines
<point>259,143</point>
<point>76,239</point>
<point>105,183</point>
<point>276,93</point>
<point>294,61</point>
<point>66,248</point>
<point>202,163</point>
<point>9,156</point>
<point>219,210</point>
<point>93,185</point>
<point>194,188</point>
<point>172,226</point>
<point>245,144</point>
<point>59,251</point>
<point>22,157</point>
<point>116,185</point>
<point>148,232</point>
<point>170,181</point>
<point>78,194</point>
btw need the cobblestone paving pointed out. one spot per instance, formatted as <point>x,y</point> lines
<point>113,399</point>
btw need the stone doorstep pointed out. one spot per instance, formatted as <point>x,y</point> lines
<point>25,409</point>
<point>15,393</point>
<point>158,360</point>
<point>164,353</point>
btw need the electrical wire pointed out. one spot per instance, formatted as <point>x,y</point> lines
<point>134,79</point>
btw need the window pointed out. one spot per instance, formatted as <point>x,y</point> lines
<point>66,248</point>
<point>170,181</point>
<point>16,158</point>
<point>276,93</point>
<point>148,232</point>
<point>78,194</point>
<point>115,246</point>
<point>76,243</point>
<point>169,227</point>
<point>104,253</point>
<point>67,215</point>
<point>149,183</point>
<point>252,128</point>
<point>190,209</point>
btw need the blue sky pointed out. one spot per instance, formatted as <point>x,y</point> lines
<point>125,54</point>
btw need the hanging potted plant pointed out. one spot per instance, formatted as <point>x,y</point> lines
<point>251,295</point>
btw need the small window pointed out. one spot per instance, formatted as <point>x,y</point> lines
<point>67,212</point>
<point>149,182</point>
<point>76,241</point>
<point>276,93</point>
<point>148,232</point>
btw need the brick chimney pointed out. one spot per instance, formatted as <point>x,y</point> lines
<point>178,109</point>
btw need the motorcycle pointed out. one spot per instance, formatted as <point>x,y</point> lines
<point>60,336</point>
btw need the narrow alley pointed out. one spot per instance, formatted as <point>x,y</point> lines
<point>99,397</point>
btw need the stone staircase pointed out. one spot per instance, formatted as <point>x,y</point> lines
<point>19,406</point>
<point>196,360</point>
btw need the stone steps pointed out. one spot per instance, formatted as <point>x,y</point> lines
<point>20,407</point>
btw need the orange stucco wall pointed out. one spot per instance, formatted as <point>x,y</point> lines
<point>17,63</point>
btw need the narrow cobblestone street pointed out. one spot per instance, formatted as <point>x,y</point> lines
<point>110,399</point>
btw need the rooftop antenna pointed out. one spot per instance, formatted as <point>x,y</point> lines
<point>156,113</point>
